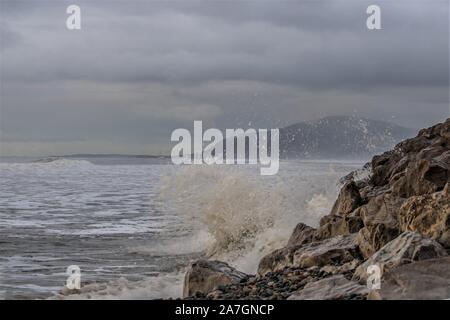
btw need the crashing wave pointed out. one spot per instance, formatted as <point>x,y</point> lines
<point>245,215</point>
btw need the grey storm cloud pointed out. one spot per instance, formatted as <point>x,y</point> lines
<point>138,69</point>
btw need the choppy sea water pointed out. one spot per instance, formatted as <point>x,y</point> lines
<point>132,225</point>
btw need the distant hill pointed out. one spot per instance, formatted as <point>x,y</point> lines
<point>340,137</point>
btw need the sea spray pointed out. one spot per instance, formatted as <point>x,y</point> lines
<point>228,201</point>
<point>247,215</point>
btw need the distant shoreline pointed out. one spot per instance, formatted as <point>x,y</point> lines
<point>90,155</point>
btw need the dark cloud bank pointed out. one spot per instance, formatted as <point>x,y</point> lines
<point>138,69</point>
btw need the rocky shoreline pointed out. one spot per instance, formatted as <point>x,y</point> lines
<point>397,219</point>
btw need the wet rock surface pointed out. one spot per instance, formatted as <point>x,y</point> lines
<point>332,288</point>
<point>429,215</point>
<point>203,276</point>
<point>424,280</point>
<point>333,251</point>
<point>302,234</point>
<point>406,248</point>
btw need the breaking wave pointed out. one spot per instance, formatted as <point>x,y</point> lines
<point>164,286</point>
<point>245,215</point>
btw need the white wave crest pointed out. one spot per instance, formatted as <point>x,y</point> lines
<point>62,162</point>
<point>157,287</point>
<point>46,163</point>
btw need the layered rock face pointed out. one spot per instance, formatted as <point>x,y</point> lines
<point>426,280</point>
<point>406,248</point>
<point>338,250</point>
<point>332,288</point>
<point>203,276</point>
<point>397,219</point>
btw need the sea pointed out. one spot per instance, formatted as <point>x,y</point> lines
<point>132,225</point>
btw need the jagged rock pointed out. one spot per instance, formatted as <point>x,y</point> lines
<point>421,177</point>
<point>428,215</point>
<point>337,250</point>
<point>382,208</point>
<point>335,225</point>
<point>346,267</point>
<point>334,251</point>
<point>385,166</point>
<point>348,200</point>
<point>416,166</point>
<point>374,236</point>
<point>428,279</point>
<point>379,216</point>
<point>343,219</point>
<point>406,248</point>
<point>302,234</point>
<point>204,276</point>
<point>333,288</point>
<point>277,260</point>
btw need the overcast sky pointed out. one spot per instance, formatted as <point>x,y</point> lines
<point>139,69</point>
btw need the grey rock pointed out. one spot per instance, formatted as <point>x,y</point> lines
<point>423,280</point>
<point>406,248</point>
<point>337,250</point>
<point>204,276</point>
<point>302,234</point>
<point>332,288</point>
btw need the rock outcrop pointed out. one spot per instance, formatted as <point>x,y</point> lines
<point>349,199</point>
<point>332,288</point>
<point>406,248</point>
<point>424,280</point>
<point>429,215</point>
<point>398,218</point>
<point>333,251</point>
<point>302,234</point>
<point>204,276</point>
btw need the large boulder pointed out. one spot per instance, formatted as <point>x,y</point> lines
<point>428,215</point>
<point>277,260</point>
<point>416,166</point>
<point>384,167</point>
<point>373,237</point>
<point>335,225</point>
<point>343,219</point>
<point>428,279</point>
<point>203,276</point>
<point>422,176</point>
<point>406,248</point>
<point>332,288</point>
<point>334,251</point>
<point>348,200</point>
<point>379,217</point>
<point>302,234</point>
